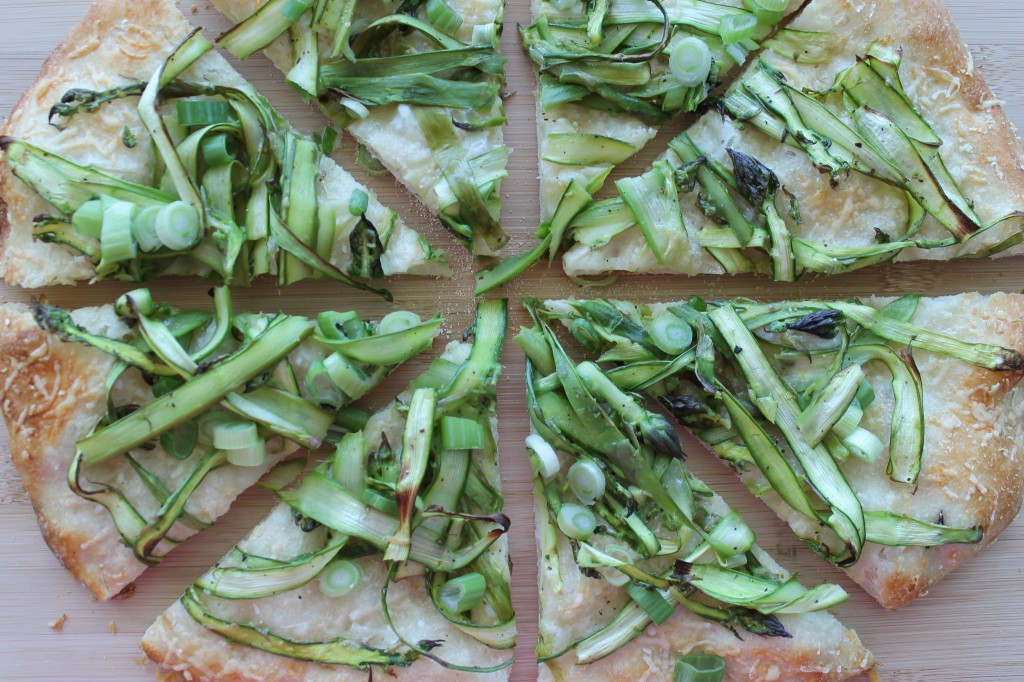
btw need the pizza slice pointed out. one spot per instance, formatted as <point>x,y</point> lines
<point>419,84</point>
<point>886,433</point>
<point>884,143</point>
<point>643,568</point>
<point>609,74</point>
<point>139,152</point>
<point>394,545</point>
<point>135,426</point>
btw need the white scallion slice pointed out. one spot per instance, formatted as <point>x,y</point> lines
<point>586,480</point>
<point>251,456</point>
<point>671,334</point>
<point>576,521</point>
<point>850,420</point>
<point>614,576</point>
<point>864,444</point>
<point>357,108</point>
<point>116,241</point>
<point>547,459</point>
<point>462,593</point>
<point>340,577</point>
<point>690,61</point>
<point>177,226</point>
<point>398,321</point>
<point>144,229</point>
<point>235,435</point>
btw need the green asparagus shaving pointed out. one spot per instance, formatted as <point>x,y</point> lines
<point>653,603</point>
<point>763,595</point>
<point>886,528</point>
<point>760,186</point>
<point>389,348</point>
<point>803,47</point>
<point>259,30</point>
<point>654,200</point>
<point>579,149</point>
<point>320,498</point>
<point>337,651</point>
<point>416,439</point>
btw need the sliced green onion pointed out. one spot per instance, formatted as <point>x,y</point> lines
<point>443,16</point>
<point>736,28</point>
<point>358,202</point>
<point>547,459</point>
<point>398,321</point>
<point>586,480</point>
<point>850,420</point>
<point>340,577</point>
<point>652,602</point>
<point>370,164</point>
<point>864,444</point>
<point>690,61</point>
<point>116,242</point>
<point>348,377</point>
<point>251,456</point>
<point>88,219</point>
<point>144,229</point>
<point>458,433</point>
<point>220,149</point>
<point>203,112</point>
<point>177,226</point>
<point>462,593</point>
<point>208,421</point>
<point>671,334</point>
<point>576,521</point>
<point>699,668</point>
<point>865,394</point>
<point>234,435</point>
<point>767,11</point>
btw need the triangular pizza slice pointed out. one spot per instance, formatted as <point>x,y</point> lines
<point>883,143</point>
<point>609,74</point>
<point>418,83</point>
<point>389,556</point>
<point>135,426</point>
<point>886,433</point>
<point>147,154</point>
<point>644,570</point>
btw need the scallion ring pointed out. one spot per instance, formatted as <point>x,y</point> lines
<point>116,241</point>
<point>220,149</point>
<point>398,321</point>
<point>144,229</point>
<point>547,460</point>
<point>177,226</point>
<point>690,61</point>
<point>88,219</point>
<point>736,28</point>
<point>586,480</point>
<point>340,577</point>
<point>251,456</point>
<point>671,334</point>
<point>576,521</point>
<point>459,433</point>
<point>234,435</point>
<point>294,10</point>
<point>358,202</point>
<point>767,11</point>
<point>203,112</point>
<point>462,593</point>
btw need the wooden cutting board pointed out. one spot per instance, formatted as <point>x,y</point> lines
<point>970,627</point>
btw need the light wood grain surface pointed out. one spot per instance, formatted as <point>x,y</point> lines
<point>969,628</point>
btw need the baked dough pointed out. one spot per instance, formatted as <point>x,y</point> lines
<point>118,42</point>
<point>51,395</point>
<point>971,473</point>
<point>183,647</point>
<point>391,132</point>
<point>980,146</point>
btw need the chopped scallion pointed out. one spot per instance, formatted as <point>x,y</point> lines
<point>443,16</point>
<point>651,601</point>
<point>576,521</point>
<point>671,334</point>
<point>547,459</point>
<point>234,435</point>
<point>458,433</point>
<point>220,149</point>
<point>88,219</point>
<point>690,61</point>
<point>736,28</point>
<point>699,668</point>
<point>398,321</point>
<point>358,202</point>
<point>294,9</point>
<point>177,226</point>
<point>586,480</point>
<point>462,593</point>
<point>251,456</point>
<point>144,229</point>
<point>116,242</point>
<point>340,577</point>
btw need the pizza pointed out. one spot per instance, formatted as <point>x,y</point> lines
<point>884,432</point>
<point>837,147</point>
<point>135,426</point>
<point>435,605</point>
<point>641,564</point>
<point>420,85</point>
<point>249,194</point>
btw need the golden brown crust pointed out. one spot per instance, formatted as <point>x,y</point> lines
<point>51,393</point>
<point>116,42</point>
